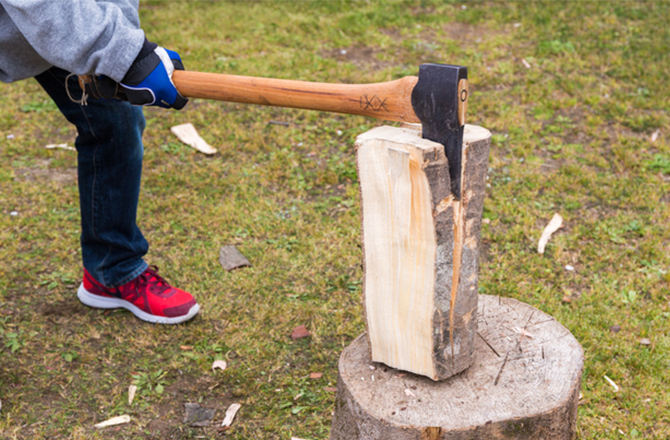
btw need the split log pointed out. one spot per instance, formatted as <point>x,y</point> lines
<point>524,384</point>
<point>420,249</point>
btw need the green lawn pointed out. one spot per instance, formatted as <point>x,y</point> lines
<point>572,134</point>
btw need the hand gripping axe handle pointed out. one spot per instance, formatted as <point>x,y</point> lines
<point>437,98</point>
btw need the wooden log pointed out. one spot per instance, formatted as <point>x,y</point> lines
<point>420,249</point>
<point>524,384</point>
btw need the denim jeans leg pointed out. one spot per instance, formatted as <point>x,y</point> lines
<point>109,154</point>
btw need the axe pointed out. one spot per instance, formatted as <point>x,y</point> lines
<point>437,98</point>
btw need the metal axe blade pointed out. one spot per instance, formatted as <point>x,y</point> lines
<point>439,99</point>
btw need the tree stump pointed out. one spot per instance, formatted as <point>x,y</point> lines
<point>420,249</point>
<point>524,384</point>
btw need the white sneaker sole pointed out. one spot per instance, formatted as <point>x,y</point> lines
<point>102,302</point>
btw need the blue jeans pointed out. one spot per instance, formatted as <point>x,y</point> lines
<point>109,165</point>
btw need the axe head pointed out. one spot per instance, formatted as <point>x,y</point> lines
<point>439,101</point>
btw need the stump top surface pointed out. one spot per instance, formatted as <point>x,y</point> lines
<point>526,364</point>
<point>411,136</point>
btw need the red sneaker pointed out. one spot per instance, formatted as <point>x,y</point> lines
<point>149,297</point>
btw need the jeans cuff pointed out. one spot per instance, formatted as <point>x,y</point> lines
<point>134,274</point>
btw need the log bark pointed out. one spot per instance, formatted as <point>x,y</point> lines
<point>523,385</point>
<point>420,249</point>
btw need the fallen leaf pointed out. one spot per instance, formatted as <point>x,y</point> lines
<point>230,415</point>
<point>645,341</point>
<point>120,420</point>
<point>188,135</point>
<point>195,415</point>
<point>186,347</point>
<point>611,382</point>
<point>222,365</point>
<point>132,389</point>
<point>330,389</point>
<point>315,375</point>
<point>654,136</point>
<point>300,332</point>
<point>230,258</point>
<point>554,225</point>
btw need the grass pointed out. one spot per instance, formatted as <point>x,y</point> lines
<point>571,135</point>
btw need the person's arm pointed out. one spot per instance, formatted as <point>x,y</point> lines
<point>81,36</point>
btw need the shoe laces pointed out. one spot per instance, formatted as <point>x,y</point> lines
<point>155,283</point>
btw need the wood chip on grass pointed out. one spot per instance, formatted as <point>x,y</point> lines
<point>611,382</point>
<point>188,135</point>
<point>300,332</point>
<point>132,389</point>
<point>61,146</point>
<point>221,365</point>
<point>554,225</point>
<point>230,415</point>
<point>120,420</point>
<point>230,258</point>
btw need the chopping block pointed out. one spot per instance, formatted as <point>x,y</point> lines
<point>523,384</point>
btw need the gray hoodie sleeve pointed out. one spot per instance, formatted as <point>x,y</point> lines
<point>100,37</point>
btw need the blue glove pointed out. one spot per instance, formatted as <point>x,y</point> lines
<point>149,79</point>
<point>147,82</point>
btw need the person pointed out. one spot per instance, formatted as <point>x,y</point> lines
<point>54,41</point>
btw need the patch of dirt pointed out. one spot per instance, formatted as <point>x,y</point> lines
<point>468,33</point>
<point>42,173</point>
<point>369,59</point>
<point>169,421</point>
<point>362,57</point>
<point>62,309</point>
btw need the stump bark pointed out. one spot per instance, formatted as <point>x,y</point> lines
<point>524,384</point>
<point>420,249</point>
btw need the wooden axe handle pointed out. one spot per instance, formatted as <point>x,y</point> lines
<point>389,100</point>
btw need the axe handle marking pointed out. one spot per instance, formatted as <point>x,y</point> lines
<point>389,100</point>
